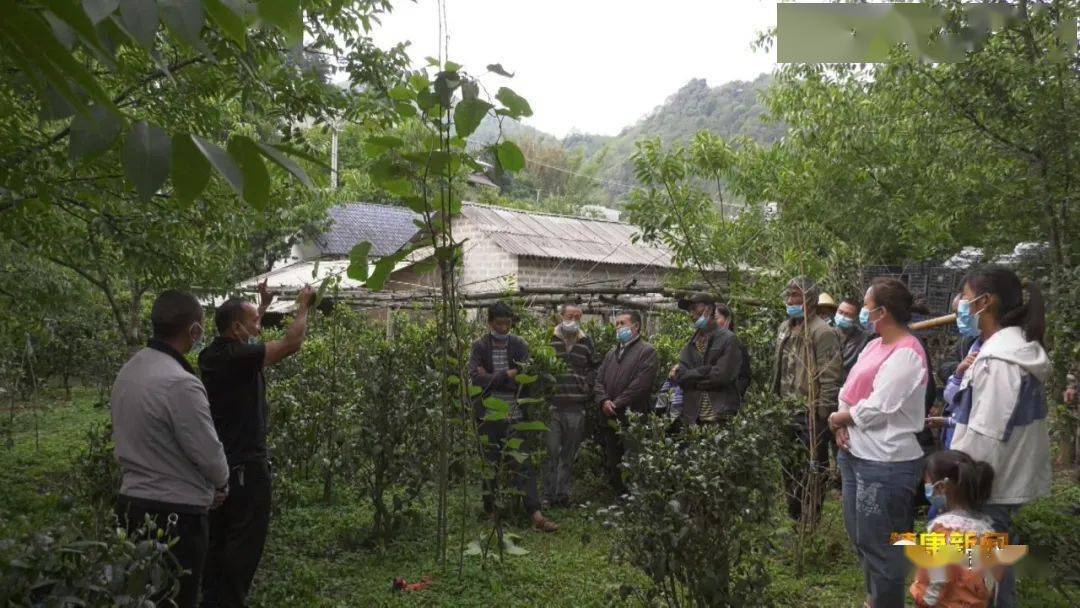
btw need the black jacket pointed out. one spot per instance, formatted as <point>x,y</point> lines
<point>488,379</point>
<point>715,372</point>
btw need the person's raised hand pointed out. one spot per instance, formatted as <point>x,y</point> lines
<point>266,297</point>
<point>306,297</point>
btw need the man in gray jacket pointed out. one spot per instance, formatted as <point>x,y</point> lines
<point>172,465</point>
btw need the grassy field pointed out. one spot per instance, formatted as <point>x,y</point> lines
<point>317,557</point>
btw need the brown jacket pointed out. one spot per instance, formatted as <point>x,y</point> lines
<point>626,378</point>
<point>824,367</point>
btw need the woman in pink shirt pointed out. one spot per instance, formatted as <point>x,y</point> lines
<point>881,408</point>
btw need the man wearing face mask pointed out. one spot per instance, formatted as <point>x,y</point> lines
<point>232,368</point>
<point>808,367</point>
<point>853,337</point>
<point>572,389</point>
<point>494,364</point>
<point>709,366</point>
<point>623,382</point>
<point>172,465</point>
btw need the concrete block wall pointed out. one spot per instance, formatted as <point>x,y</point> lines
<point>540,272</point>
<point>487,267</point>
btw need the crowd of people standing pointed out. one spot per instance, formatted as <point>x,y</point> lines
<point>193,453</point>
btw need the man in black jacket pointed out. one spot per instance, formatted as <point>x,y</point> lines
<point>709,366</point>
<point>493,366</point>
<point>623,382</point>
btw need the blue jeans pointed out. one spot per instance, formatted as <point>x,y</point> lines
<point>878,501</point>
<point>1002,516</point>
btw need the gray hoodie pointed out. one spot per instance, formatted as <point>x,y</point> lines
<point>1001,417</point>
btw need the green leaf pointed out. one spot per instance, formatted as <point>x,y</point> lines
<point>93,131</point>
<point>222,162</point>
<point>401,93</point>
<point>494,416</point>
<point>186,19</point>
<point>377,144</point>
<point>515,443</point>
<point>146,157</point>
<point>475,390</point>
<point>230,22</point>
<point>383,268</point>
<point>532,425</point>
<point>468,114</point>
<point>320,293</point>
<point>99,10</point>
<point>511,548</point>
<point>256,178</point>
<point>524,379</point>
<point>140,19</point>
<point>78,21</point>
<point>285,163</point>
<point>61,30</point>
<point>358,261</point>
<point>473,548</point>
<point>285,15</point>
<point>190,170</point>
<point>499,69</point>
<point>497,405</point>
<point>509,156</point>
<point>516,106</point>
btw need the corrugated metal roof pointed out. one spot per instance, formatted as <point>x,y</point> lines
<point>562,237</point>
<point>386,227</point>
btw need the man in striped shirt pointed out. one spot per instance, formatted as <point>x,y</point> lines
<point>573,388</point>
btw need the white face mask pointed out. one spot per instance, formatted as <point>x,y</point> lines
<point>569,328</point>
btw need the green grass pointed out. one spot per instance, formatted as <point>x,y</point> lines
<point>317,556</point>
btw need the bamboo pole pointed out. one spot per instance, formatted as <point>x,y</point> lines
<point>943,320</point>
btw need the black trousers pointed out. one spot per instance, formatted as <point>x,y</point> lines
<point>237,536</point>
<point>614,449</point>
<point>190,529</point>
<point>802,462</point>
<point>524,474</point>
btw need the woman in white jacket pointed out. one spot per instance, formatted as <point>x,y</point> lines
<point>1001,418</point>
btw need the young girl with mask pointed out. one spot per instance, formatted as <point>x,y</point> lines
<point>958,486</point>
<point>1001,413</point>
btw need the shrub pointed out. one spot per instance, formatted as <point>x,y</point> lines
<point>356,406</point>
<point>697,520</point>
<point>60,569</point>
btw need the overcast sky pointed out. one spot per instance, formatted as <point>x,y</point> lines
<point>593,66</point>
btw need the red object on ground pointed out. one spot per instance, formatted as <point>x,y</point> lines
<point>400,584</point>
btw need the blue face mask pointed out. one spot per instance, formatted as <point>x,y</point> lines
<point>936,500</point>
<point>624,334</point>
<point>701,321</point>
<point>864,319</point>
<point>843,322</point>
<point>967,323</point>
<point>499,336</point>
<point>795,311</point>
